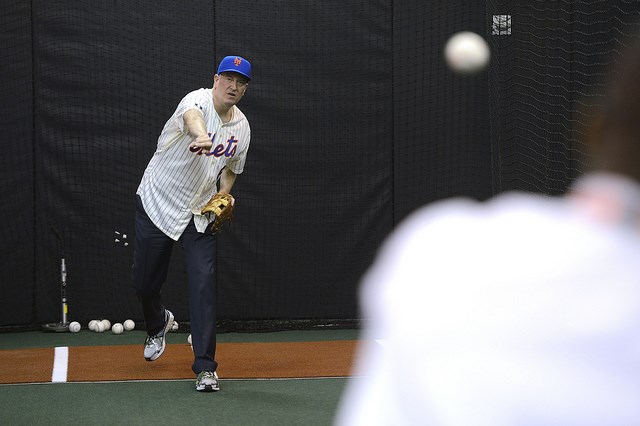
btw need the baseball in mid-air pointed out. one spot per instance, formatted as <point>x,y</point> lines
<point>467,52</point>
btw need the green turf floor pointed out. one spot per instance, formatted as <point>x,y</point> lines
<point>305,402</point>
<point>38,339</point>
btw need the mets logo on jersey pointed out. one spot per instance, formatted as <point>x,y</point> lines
<point>227,149</point>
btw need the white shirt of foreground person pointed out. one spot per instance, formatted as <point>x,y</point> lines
<point>524,310</point>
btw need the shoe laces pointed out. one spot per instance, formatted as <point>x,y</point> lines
<point>206,375</point>
<point>151,340</point>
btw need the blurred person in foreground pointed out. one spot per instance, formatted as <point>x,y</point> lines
<point>523,310</point>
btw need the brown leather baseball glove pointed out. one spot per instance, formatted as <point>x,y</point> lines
<point>221,205</point>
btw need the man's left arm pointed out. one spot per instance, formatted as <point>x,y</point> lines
<point>227,179</point>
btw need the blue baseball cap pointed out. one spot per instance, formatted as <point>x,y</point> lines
<point>235,64</point>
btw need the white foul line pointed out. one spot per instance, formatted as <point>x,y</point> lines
<point>60,364</point>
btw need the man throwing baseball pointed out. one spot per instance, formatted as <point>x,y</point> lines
<point>201,150</point>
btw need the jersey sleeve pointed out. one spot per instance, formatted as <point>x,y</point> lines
<point>198,100</point>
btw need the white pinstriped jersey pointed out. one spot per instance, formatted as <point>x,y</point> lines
<point>179,182</point>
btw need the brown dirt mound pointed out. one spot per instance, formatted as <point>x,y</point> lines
<point>236,361</point>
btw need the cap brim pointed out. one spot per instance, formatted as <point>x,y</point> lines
<point>235,70</point>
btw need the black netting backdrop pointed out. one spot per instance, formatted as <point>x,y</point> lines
<point>551,63</point>
<point>17,272</point>
<point>315,196</point>
<point>356,121</point>
<point>441,119</point>
<point>107,76</point>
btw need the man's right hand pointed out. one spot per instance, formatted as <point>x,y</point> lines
<point>201,142</point>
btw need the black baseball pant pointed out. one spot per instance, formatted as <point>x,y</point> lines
<point>152,252</point>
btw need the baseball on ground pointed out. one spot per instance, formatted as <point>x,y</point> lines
<point>117,328</point>
<point>129,325</point>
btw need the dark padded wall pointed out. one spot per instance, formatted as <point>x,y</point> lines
<point>16,168</point>
<point>441,119</point>
<point>108,75</point>
<point>314,200</point>
<point>355,123</point>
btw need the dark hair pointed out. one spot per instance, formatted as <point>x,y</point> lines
<point>615,135</point>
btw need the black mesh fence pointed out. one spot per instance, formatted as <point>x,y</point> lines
<point>356,121</point>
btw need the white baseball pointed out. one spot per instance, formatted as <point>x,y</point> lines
<point>175,325</point>
<point>117,328</point>
<point>129,325</point>
<point>99,327</point>
<point>74,327</point>
<point>467,52</point>
<point>92,325</point>
<point>107,324</point>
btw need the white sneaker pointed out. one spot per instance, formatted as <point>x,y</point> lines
<point>207,381</point>
<point>154,345</point>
